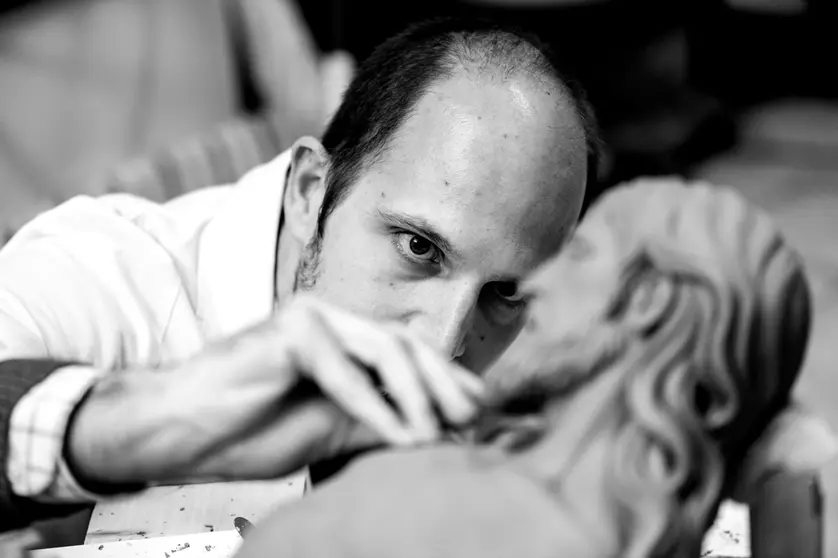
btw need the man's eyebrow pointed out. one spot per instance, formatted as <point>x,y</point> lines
<point>421,227</point>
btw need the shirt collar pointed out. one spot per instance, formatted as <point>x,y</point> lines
<point>237,254</point>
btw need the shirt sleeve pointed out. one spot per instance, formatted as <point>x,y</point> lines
<point>79,284</point>
<point>35,466</point>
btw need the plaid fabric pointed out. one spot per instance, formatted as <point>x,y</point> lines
<point>35,466</point>
<point>16,380</point>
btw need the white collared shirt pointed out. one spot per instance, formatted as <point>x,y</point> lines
<point>119,281</point>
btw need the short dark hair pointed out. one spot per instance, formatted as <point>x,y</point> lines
<point>398,73</point>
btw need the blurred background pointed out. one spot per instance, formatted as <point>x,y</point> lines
<point>159,97</point>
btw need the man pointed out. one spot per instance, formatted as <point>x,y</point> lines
<point>151,344</point>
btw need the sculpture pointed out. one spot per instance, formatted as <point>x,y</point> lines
<point>652,379</point>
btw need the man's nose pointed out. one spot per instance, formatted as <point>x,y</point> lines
<point>447,320</point>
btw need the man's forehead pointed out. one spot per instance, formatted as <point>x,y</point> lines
<point>480,215</point>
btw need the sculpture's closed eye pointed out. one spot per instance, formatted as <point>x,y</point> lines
<point>578,248</point>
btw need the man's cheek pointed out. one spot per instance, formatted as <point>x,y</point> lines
<point>367,289</point>
<point>488,345</point>
<point>393,300</point>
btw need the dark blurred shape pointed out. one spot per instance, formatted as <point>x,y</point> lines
<point>630,56</point>
<point>11,5</point>
<point>667,79</point>
<point>324,470</point>
<point>787,518</point>
<point>750,57</point>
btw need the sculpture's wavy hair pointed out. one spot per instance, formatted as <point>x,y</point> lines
<point>719,306</point>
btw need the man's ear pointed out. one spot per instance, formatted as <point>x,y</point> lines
<point>305,188</point>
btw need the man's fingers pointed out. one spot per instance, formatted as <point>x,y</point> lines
<point>401,378</point>
<point>348,385</point>
<point>471,383</point>
<point>416,377</point>
<point>392,360</point>
<point>457,396</point>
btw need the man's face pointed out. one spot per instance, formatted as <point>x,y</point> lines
<point>482,183</point>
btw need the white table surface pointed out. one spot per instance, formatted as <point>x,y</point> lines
<point>218,544</point>
<point>728,538</point>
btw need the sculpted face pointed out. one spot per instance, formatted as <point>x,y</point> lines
<point>568,298</point>
<point>708,310</point>
<point>483,183</point>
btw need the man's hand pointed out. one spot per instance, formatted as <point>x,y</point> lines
<point>295,390</point>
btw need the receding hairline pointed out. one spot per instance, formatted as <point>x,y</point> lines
<point>498,53</point>
<point>433,52</point>
<point>563,110</point>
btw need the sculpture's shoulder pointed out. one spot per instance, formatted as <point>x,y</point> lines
<point>469,503</point>
<point>441,502</point>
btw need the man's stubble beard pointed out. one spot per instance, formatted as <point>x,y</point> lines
<point>308,268</point>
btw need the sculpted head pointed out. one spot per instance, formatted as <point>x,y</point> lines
<point>674,323</point>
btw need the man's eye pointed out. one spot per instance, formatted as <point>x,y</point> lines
<point>509,291</point>
<point>417,249</point>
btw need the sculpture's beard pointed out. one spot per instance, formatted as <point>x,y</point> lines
<point>538,373</point>
<point>555,367</point>
<point>308,269</point>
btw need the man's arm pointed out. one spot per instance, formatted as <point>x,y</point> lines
<point>17,378</point>
<point>67,296</point>
<point>232,411</point>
